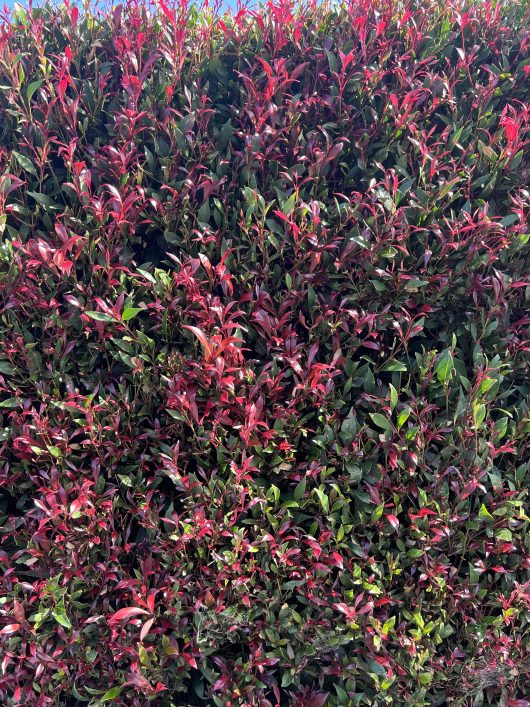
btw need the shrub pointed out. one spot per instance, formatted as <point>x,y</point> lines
<point>265,355</point>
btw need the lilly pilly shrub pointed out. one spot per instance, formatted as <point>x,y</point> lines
<point>264,364</point>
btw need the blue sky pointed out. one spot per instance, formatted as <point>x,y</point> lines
<point>10,3</point>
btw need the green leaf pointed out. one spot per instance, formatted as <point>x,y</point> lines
<point>361,241</point>
<point>6,368</point>
<point>389,624</point>
<point>479,413</point>
<point>100,316</point>
<point>44,200</point>
<point>78,695</point>
<point>25,163</point>
<point>505,535</point>
<point>34,86</point>
<point>381,421</point>
<point>111,694</point>
<point>486,151</point>
<point>484,513</point>
<point>499,428</point>
<point>130,312</point>
<point>176,415</point>
<point>485,385</point>
<point>403,417</point>
<point>332,60</point>
<point>415,283</point>
<point>204,212</point>
<point>444,366</point>
<point>147,275</point>
<point>288,205</point>
<point>393,396</point>
<point>377,513</point>
<point>300,489</point>
<point>10,403</point>
<point>61,618</point>
<point>415,553</point>
<point>348,429</point>
<point>324,500</point>
<point>355,473</point>
<point>510,219</point>
<point>393,365</point>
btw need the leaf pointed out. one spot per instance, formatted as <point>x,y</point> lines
<point>444,366</point>
<point>61,618</point>
<point>377,513</point>
<point>176,415</point>
<point>25,163</point>
<point>415,553</point>
<point>392,519</point>
<point>381,421</point>
<point>202,338</point>
<point>44,200</point>
<point>388,625</point>
<point>111,694</point>
<point>145,628</point>
<point>486,385</point>
<point>393,396</point>
<point>505,535</point>
<point>324,500</point>
<point>127,613</point>
<point>6,368</point>
<point>332,60</point>
<point>130,312</point>
<point>190,660</point>
<point>361,241</point>
<point>288,205</point>
<point>10,403</point>
<point>509,220</point>
<point>34,86</point>
<point>486,151</point>
<point>479,413</point>
<point>484,513</point>
<point>348,429</point>
<point>9,629</point>
<point>393,365</point>
<point>500,428</point>
<point>355,473</point>
<point>403,416</point>
<point>100,316</point>
<point>300,489</point>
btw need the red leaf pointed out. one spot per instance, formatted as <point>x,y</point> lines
<point>127,613</point>
<point>9,629</point>
<point>336,560</point>
<point>202,338</point>
<point>394,522</point>
<point>145,629</point>
<point>170,16</point>
<point>190,660</point>
<point>318,699</point>
<point>221,683</point>
<point>18,611</point>
<point>425,512</point>
<point>74,15</point>
<point>512,130</point>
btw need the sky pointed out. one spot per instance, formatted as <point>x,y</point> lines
<point>9,3</point>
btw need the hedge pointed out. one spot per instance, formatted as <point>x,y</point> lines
<point>264,354</point>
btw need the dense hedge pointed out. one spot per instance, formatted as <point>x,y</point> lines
<point>264,365</point>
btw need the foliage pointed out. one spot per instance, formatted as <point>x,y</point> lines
<point>265,344</point>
